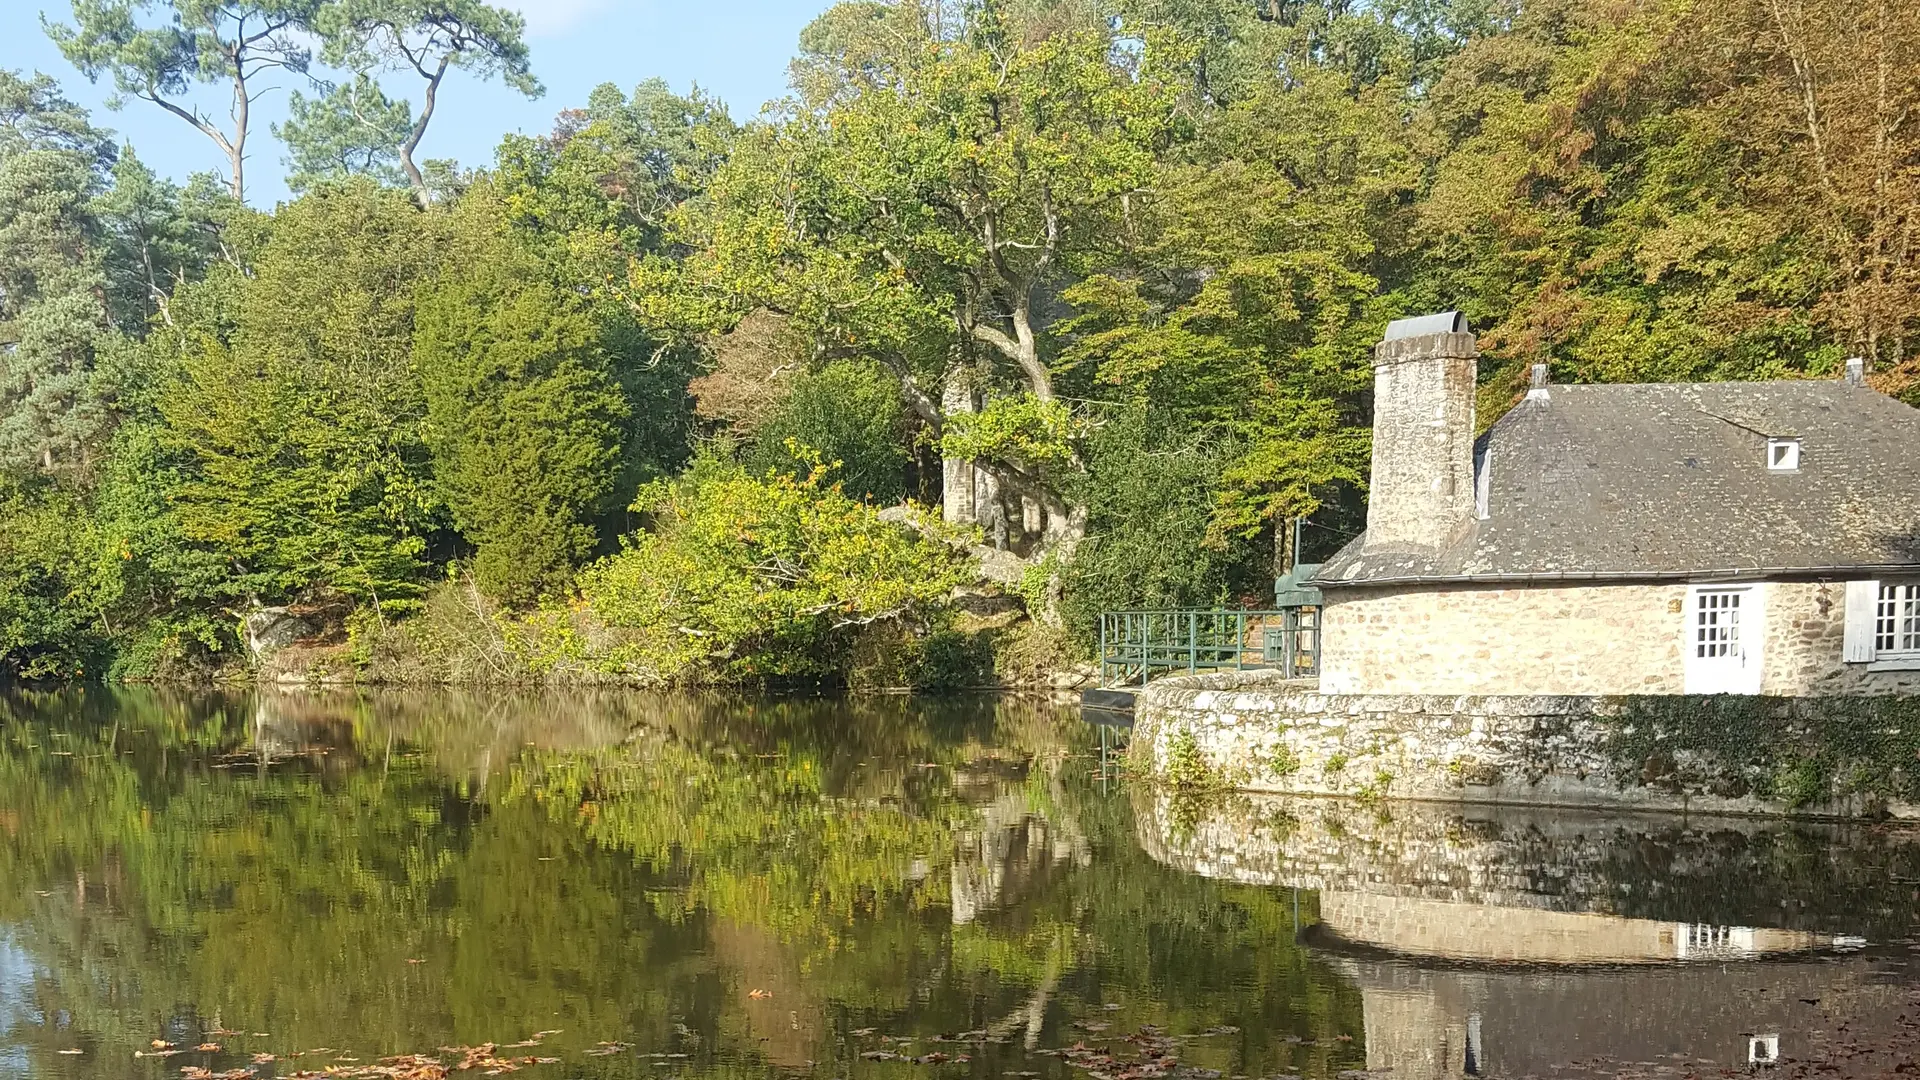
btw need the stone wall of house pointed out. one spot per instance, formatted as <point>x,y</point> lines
<point>1591,639</point>
<point>1806,629</point>
<point>1257,732</point>
<point>1573,640</point>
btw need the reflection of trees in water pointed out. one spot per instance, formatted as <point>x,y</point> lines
<point>279,861</point>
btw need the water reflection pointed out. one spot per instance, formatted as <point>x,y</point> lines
<point>707,887</point>
<point>1506,942</point>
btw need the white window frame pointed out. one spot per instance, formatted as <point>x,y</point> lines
<point>1783,454</point>
<point>1883,624</point>
<point>1896,620</point>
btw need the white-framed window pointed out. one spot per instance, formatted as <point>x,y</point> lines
<point>1716,629</point>
<point>1883,621</point>
<point>1783,455</point>
<point>1896,619</point>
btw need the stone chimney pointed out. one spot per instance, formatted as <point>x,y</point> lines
<point>1421,494</point>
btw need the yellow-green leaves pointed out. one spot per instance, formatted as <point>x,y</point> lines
<point>764,575</point>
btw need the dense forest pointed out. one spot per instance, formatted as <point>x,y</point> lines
<point>1079,289</point>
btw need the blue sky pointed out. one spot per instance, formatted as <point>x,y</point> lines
<point>736,50</point>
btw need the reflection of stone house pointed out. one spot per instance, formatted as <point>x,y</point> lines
<point>1671,538</point>
<point>1450,1021</point>
<point>1452,990</point>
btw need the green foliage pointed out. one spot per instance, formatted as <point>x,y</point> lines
<point>1128,258</point>
<point>1283,762</point>
<point>847,412</point>
<point>353,129</point>
<point>195,41</point>
<point>523,414</point>
<point>159,236</point>
<point>1151,494</point>
<point>758,576</point>
<point>1023,429</point>
<point>427,38</point>
<point>1799,752</point>
<point>1187,768</point>
<point>57,582</point>
<point>298,423</point>
<point>52,164</point>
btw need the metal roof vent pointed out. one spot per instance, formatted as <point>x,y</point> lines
<point>1445,322</point>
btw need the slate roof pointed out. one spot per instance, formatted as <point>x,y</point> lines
<point>1670,480</point>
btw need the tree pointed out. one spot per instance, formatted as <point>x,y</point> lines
<point>354,130</point>
<point>295,409</point>
<point>158,237</point>
<point>847,412</point>
<point>57,582</point>
<point>925,200</point>
<point>523,414</point>
<point>427,37</point>
<point>203,41</point>
<point>763,576</point>
<point>52,164</point>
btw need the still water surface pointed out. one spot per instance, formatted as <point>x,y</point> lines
<point>696,888</point>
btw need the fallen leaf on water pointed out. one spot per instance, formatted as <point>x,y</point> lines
<point>262,1059</point>
<point>759,994</point>
<point>411,960</point>
<point>262,1035</point>
<point>605,1048</point>
<point>160,1044</point>
<point>74,1051</point>
<point>208,1048</point>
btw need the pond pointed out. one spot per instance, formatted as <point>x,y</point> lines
<point>617,885</point>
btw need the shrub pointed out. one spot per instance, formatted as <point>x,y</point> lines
<point>848,412</point>
<point>747,576</point>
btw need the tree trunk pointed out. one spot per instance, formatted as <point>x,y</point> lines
<point>957,503</point>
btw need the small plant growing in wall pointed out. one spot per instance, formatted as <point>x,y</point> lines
<point>1284,762</point>
<point>1336,764</point>
<point>1374,792</point>
<point>1187,768</point>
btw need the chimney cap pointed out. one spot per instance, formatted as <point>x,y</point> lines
<point>1444,322</point>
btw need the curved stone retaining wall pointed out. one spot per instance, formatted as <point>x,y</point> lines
<point>1255,731</point>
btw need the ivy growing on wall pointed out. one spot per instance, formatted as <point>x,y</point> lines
<point>1800,751</point>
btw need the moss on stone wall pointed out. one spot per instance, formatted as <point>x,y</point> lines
<point>1799,752</point>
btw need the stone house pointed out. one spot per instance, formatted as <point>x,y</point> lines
<point>1697,538</point>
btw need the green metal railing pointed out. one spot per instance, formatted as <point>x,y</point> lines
<point>1137,645</point>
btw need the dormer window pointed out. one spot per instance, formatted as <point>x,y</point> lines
<point>1783,455</point>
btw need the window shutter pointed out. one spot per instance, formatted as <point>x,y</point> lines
<point>1863,603</point>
